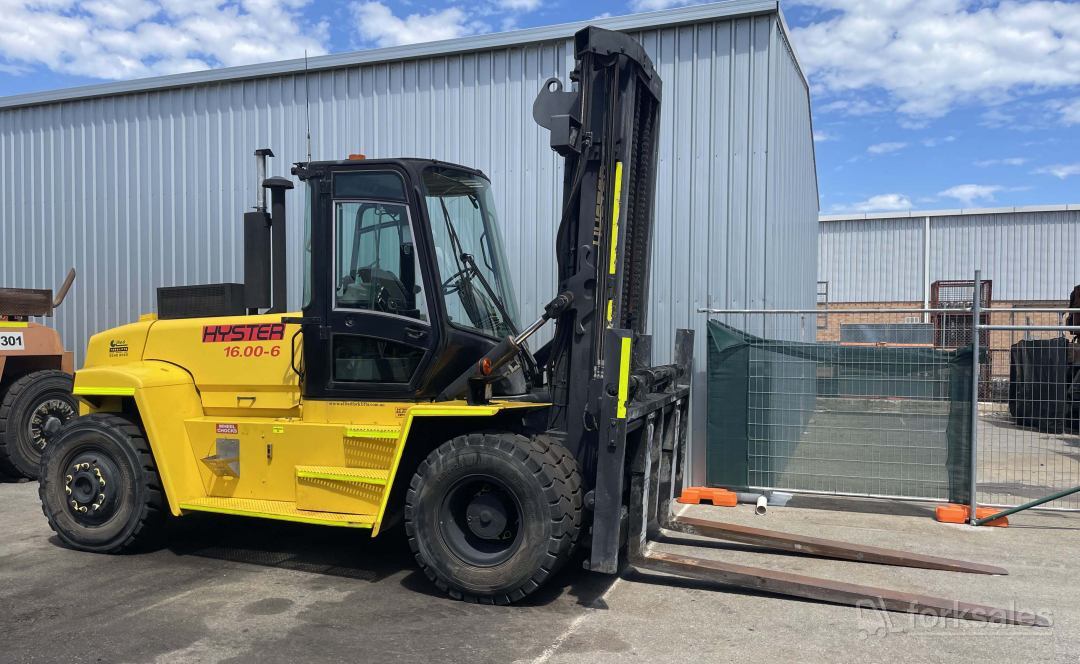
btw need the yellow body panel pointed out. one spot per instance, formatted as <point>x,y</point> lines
<point>230,432</point>
<point>236,371</point>
<point>269,509</point>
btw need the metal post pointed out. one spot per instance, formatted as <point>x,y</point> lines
<point>975,302</point>
<point>1027,505</point>
<point>926,269</point>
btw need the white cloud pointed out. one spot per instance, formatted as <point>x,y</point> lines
<point>932,55</point>
<point>856,107</point>
<point>1060,171</point>
<point>886,148</point>
<point>820,136</point>
<point>378,24</point>
<point>879,203</point>
<point>519,5</point>
<point>1008,161</point>
<point>934,142</point>
<point>1070,112</point>
<point>969,194</point>
<point>115,39</point>
<point>656,5</point>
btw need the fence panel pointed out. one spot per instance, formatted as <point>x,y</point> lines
<point>877,402</point>
<point>860,418</point>
<point>1029,410</point>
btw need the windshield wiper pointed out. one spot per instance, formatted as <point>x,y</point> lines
<point>492,294</point>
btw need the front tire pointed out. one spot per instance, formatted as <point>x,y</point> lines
<point>490,517</point>
<point>99,486</point>
<point>33,410</point>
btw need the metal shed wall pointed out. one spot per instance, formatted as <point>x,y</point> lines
<point>872,260</point>
<point>145,188</point>
<point>1029,254</point>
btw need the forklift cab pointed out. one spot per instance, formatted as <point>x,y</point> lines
<point>405,278</point>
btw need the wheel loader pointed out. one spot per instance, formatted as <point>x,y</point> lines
<point>35,378</point>
<point>403,389</point>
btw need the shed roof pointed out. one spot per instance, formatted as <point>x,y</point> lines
<point>633,22</point>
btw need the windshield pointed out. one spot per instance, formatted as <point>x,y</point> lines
<point>472,267</point>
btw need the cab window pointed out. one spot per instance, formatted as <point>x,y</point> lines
<point>375,258</point>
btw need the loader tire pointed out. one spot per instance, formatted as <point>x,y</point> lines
<point>32,411</point>
<point>99,486</point>
<point>491,516</point>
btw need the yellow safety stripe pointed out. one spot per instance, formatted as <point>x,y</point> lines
<point>615,218</point>
<point>13,323</point>
<point>104,391</point>
<point>273,515</point>
<point>613,260</point>
<point>339,477</point>
<point>387,434</point>
<point>624,378</point>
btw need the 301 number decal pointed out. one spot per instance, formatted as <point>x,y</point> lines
<point>11,341</point>
<point>252,351</point>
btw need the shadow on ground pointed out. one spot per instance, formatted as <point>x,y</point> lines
<point>345,553</point>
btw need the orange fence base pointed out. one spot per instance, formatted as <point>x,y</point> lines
<point>696,495</point>
<point>953,513</point>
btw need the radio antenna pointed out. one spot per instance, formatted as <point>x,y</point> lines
<point>307,104</point>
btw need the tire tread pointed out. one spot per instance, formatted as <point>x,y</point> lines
<point>557,472</point>
<point>150,514</point>
<point>7,414</point>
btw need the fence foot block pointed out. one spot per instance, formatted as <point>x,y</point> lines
<point>696,495</point>
<point>953,513</point>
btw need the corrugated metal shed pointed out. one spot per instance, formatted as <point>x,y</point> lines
<point>141,184</point>
<point>1029,253</point>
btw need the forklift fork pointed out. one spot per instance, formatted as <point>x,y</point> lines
<point>655,476</point>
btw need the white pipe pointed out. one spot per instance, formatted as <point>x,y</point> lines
<point>762,506</point>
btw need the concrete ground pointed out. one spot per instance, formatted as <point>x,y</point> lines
<point>238,590</point>
<point>899,447</point>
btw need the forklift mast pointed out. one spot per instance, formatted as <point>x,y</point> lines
<point>606,131</point>
<point>611,408</point>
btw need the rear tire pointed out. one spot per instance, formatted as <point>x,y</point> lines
<point>99,486</point>
<point>491,516</point>
<point>33,410</point>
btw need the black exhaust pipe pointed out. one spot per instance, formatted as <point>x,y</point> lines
<point>257,242</point>
<point>278,186</point>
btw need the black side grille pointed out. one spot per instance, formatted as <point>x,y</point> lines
<point>199,301</point>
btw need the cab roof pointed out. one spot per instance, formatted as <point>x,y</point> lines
<point>412,165</point>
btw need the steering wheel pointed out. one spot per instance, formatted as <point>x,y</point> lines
<point>454,277</point>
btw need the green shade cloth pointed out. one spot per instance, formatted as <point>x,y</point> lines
<point>839,419</point>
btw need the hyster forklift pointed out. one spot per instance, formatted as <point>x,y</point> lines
<point>35,378</point>
<point>404,391</point>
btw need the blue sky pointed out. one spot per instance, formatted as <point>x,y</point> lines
<point>918,104</point>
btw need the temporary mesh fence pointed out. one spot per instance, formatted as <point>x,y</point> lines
<point>835,418</point>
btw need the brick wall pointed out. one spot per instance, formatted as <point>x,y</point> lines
<point>1000,341</point>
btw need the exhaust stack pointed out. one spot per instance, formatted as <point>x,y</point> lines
<point>278,186</point>
<point>265,245</point>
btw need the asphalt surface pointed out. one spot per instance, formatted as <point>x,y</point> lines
<point>240,590</point>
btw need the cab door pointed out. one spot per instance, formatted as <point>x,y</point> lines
<point>375,336</point>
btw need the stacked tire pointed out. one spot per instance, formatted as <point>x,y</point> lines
<point>32,410</point>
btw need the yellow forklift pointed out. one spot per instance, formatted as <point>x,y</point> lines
<point>403,390</point>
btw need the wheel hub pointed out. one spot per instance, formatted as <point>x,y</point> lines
<point>486,516</point>
<point>46,420</point>
<point>480,521</point>
<point>90,487</point>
